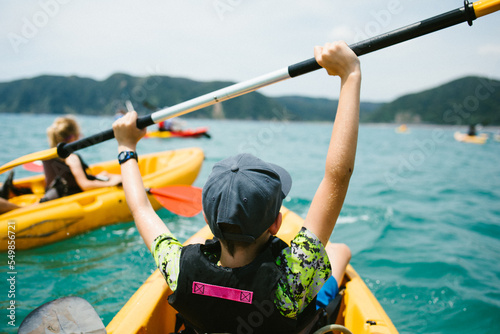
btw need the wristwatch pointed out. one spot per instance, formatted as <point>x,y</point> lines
<point>126,155</point>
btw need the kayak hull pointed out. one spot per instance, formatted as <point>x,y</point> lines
<point>148,311</point>
<point>465,138</point>
<point>202,131</point>
<point>40,224</point>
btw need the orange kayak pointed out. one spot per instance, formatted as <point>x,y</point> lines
<point>148,311</point>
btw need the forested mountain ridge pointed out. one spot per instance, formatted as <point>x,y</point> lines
<point>463,101</point>
<point>468,100</point>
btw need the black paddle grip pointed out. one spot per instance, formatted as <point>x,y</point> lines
<point>303,67</point>
<point>144,122</point>
<point>64,150</point>
<point>451,18</point>
<point>439,22</point>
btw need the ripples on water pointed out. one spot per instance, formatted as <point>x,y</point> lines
<point>422,217</point>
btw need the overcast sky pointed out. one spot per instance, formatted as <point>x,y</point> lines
<point>235,40</point>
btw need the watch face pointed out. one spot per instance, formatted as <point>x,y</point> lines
<point>126,155</point>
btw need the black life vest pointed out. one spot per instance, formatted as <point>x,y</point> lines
<point>216,299</point>
<point>59,179</point>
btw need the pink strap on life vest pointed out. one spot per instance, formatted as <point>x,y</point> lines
<point>223,292</point>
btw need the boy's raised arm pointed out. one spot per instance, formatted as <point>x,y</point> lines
<point>339,60</point>
<point>147,221</point>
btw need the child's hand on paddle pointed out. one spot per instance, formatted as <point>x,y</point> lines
<point>337,58</point>
<point>126,132</point>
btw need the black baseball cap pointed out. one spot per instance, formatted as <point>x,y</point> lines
<point>245,191</point>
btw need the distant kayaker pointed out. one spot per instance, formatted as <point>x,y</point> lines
<point>69,176</point>
<point>472,130</point>
<point>247,280</point>
<point>119,113</point>
<point>171,124</point>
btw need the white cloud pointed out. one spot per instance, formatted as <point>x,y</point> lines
<point>342,32</point>
<point>489,50</point>
<point>201,41</point>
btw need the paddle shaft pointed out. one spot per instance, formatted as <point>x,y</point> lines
<point>451,18</point>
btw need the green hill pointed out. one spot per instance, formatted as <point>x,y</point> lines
<point>61,95</point>
<point>463,101</point>
<point>468,100</point>
<point>75,95</point>
<point>317,109</point>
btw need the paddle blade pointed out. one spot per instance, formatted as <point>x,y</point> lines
<point>63,315</point>
<point>485,7</point>
<point>35,166</point>
<point>182,200</point>
<point>51,153</point>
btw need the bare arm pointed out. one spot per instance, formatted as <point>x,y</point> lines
<point>325,208</point>
<point>147,221</point>
<point>81,178</point>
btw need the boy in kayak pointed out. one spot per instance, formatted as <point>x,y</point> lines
<point>69,176</point>
<point>249,281</point>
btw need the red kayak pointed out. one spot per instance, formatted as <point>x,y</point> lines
<point>198,132</point>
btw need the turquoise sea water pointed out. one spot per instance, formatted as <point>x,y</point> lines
<point>422,217</point>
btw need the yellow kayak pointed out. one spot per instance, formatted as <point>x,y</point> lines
<point>38,224</point>
<point>465,138</point>
<point>402,129</point>
<point>148,311</point>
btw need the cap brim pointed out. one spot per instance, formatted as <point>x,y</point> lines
<point>285,178</point>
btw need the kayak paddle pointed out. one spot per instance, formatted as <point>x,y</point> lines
<point>63,315</point>
<point>182,200</point>
<point>34,166</point>
<point>48,154</point>
<point>468,13</point>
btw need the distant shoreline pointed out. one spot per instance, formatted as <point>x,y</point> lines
<point>463,127</point>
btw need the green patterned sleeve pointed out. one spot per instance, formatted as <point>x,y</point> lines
<point>306,268</point>
<point>166,250</point>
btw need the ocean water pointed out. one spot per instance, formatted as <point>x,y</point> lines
<point>422,218</point>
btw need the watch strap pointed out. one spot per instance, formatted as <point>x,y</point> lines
<point>127,155</point>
